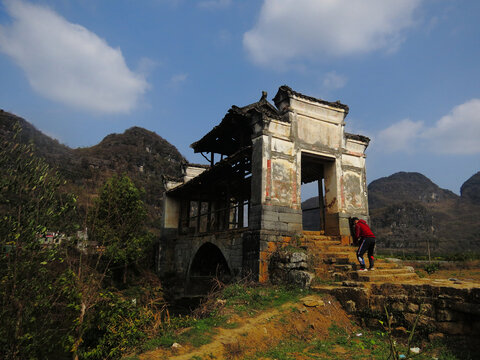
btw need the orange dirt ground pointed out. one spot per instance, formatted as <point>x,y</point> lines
<point>311,317</point>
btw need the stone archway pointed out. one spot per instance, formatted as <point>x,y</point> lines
<point>207,264</point>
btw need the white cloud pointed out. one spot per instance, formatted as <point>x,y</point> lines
<point>455,133</point>
<point>67,63</point>
<point>458,132</point>
<point>400,136</point>
<point>290,29</point>
<point>178,79</point>
<point>214,4</point>
<point>332,80</point>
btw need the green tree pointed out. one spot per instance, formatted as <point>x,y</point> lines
<point>118,222</point>
<point>36,307</point>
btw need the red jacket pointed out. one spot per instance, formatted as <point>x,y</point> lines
<point>362,229</point>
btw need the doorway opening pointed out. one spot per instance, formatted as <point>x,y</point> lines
<point>313,190</point>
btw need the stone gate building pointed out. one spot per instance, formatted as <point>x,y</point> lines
<point>227,218</point>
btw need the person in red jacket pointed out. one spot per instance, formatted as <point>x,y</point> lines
<point>366,239</point>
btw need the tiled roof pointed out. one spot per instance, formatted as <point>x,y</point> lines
<point>289,91</point>
<point>358,137</point>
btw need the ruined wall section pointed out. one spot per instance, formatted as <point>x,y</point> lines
<point>355,199</point>
<point>444,309</point>
<point>319,130</point>
<point>275,208</point>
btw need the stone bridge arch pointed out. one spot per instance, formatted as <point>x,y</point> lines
<point>207,262</point>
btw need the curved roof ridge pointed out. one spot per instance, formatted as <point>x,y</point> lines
<point>336,104</point>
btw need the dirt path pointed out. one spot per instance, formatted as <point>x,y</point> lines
<point>311,316</point>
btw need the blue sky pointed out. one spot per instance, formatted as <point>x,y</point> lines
<point>409,70</point>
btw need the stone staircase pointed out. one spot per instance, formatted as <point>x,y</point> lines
<point>440,306</point>
<point>335,263</point>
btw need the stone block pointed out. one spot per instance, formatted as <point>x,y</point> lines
<point>436,336</point>
<point>358,295</point>
<point>413,308</point>
<point>300,278</point>
<point>466,308</point>
<point>400,331</point>
<point>398,306</point>
<point>350,307</point>
<point>446,315</point>
<point>398,298</point>
<point>294,227</point>
<point>451,328</point>
<point>377,303</point>
<point>373,323</point>
<point>298,257</point>
<point>423,321</point>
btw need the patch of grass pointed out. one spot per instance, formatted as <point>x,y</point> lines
<point>294,249</point>
<point>340,345</point>
<point>230,325</point>
<point>250,299</point>
<point>294,310</point>
<point>201,332</point>
<point>188,330</point>
<point>320,281</point>
<point>283,320</point>
<point>335,330</point>
<point>155,343</point>
<point>432,267</point>
<point>420,273</point>
<point>285,350</point>
<point>233,350</point>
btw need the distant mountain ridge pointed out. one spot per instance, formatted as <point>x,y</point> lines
<point>410,213</point>
<point>406,186</point>
<point>141,154</point>
<point>470,189</point>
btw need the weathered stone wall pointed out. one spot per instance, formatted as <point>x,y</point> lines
<point>259,247</point>
<point>290,266</point>
<point>177,253</point>
<point>446,310</point>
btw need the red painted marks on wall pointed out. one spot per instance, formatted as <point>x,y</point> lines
<point>342,192</point>
<point>269,178</point>
<point>293,176</point>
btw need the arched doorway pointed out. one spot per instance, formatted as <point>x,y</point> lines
<point>208,264</point>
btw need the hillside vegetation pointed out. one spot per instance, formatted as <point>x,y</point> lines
<point>411,214</point>
<point>141,154</point>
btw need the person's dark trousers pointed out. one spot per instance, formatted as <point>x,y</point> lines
<point>367,244</point>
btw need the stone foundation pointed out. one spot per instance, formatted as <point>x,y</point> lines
<point>442,309</point>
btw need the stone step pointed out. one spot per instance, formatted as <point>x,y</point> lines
<point>310,232</point>
<point>372,276</point>
<point>323,289</point>
<point>337,260</point>
<point>343,267</point>
<point>334,253</point>
<point>391,271</point>
<point>379,265</point>
<point>338,247</point>
<point>314,234</point>
<point>320,244</point>
<point>320,239</point>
